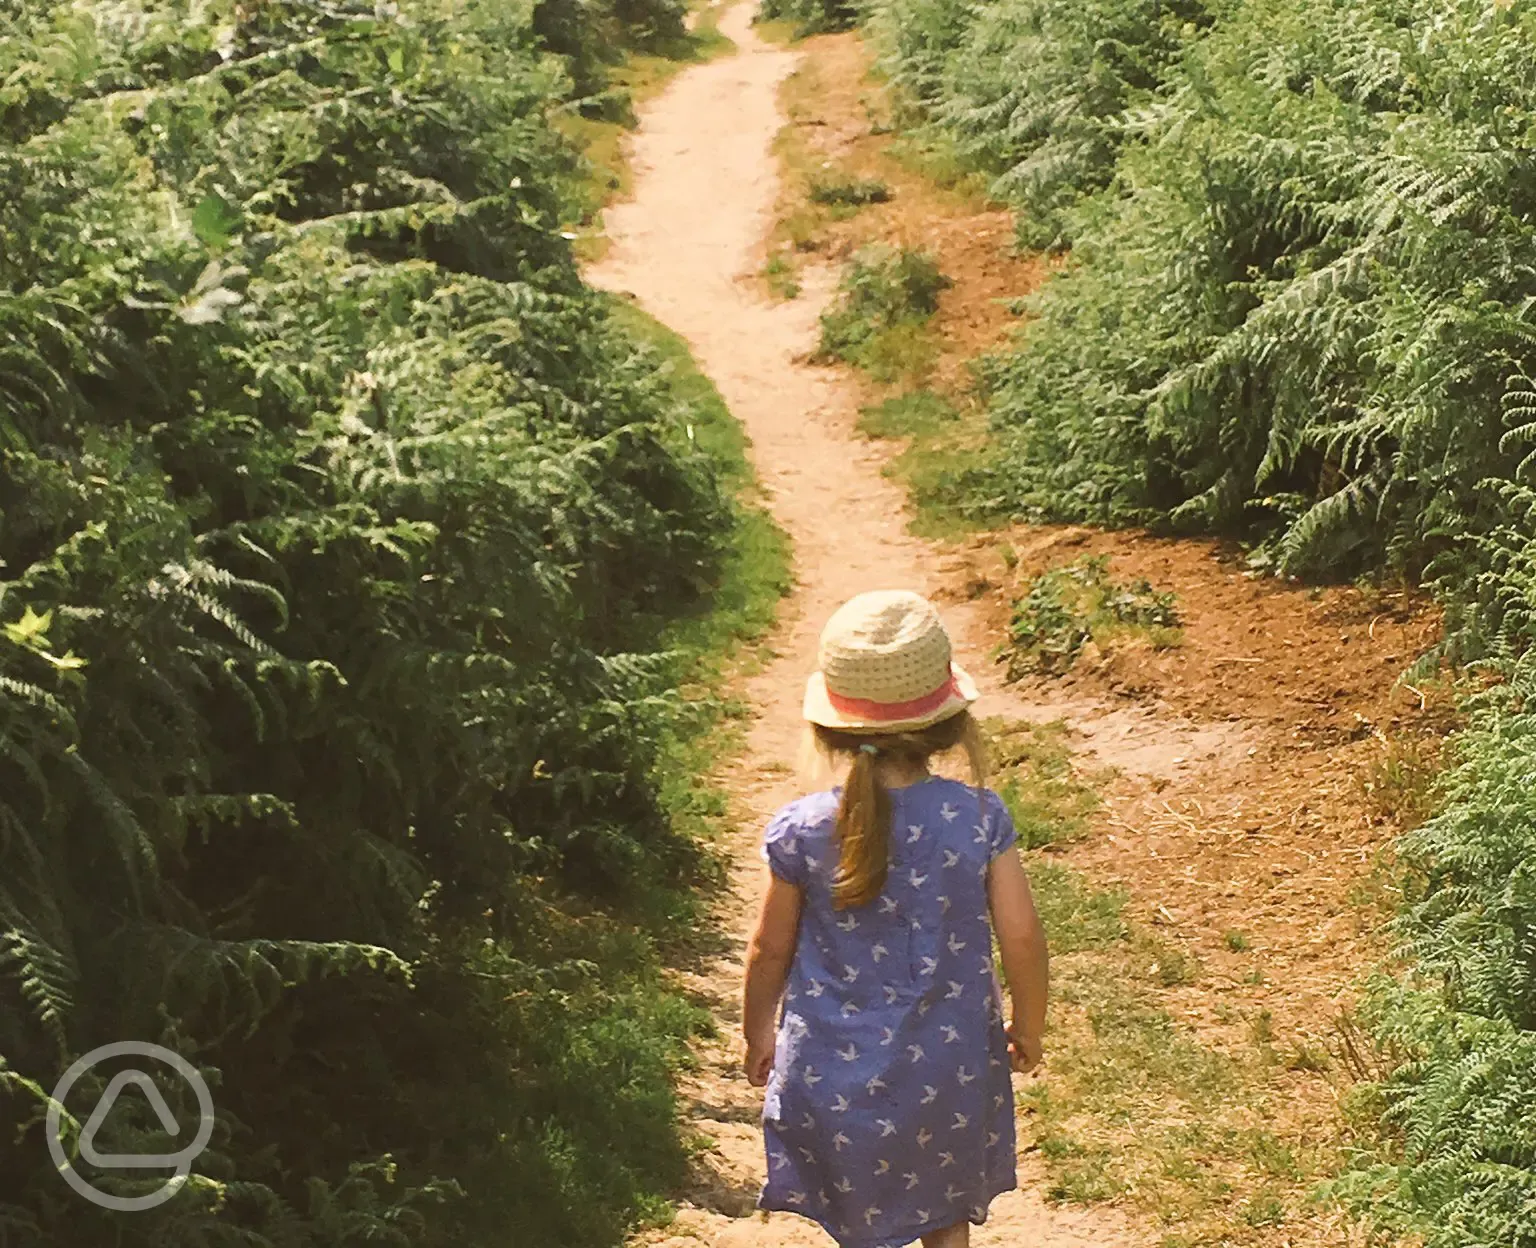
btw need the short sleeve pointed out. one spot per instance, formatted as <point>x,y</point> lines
<point>997,823</point>
<point>782,850</point>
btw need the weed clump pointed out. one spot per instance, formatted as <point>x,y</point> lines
<point>886,298</point>
<point>845,190</point>
<point>1069,606</point>
<point>779,274</point>
<point>810,17</point>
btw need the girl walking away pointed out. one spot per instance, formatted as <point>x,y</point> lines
<point>872,1011</point>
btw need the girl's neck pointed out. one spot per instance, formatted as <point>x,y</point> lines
<point>899,773</point>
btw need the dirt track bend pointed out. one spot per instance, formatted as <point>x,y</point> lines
<point>683,246</point>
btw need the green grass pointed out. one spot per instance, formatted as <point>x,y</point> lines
<point>744,604</point>
<point>913,414</point>
<point>1399,784</point>
<point>640,1026</point>
<point>606,1048</point>
<point>932,154</point>
<point>879,321</point>
<point>609,1042</point>
<point>780,275</point>
<point>778,31</point>
<point>1131,1089</point>
<point>755,576</point>
<point>1139,1105</point>
<point>1076,915</point>
<point>1034,775</point>
<point>945,444</point>
<point>904,353</point>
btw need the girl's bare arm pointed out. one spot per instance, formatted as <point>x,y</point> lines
<point>770,953</point>
<point>1026,965</point>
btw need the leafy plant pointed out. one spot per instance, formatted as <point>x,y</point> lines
<point>1037,94</point>
<point>1067,607</point>
<point>810,17</point>
<point>846,190</point>
<point>1034,776</point>
<point>885,298</point>
<point>779,273</point>
<point>344,538</point>
<point>1458,1165</point>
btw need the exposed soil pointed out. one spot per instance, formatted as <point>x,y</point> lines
<point>1240,757</point>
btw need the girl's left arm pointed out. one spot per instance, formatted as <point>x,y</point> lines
<point>770,953</point>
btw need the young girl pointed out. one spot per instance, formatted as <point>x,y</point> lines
<point>888,1115</point>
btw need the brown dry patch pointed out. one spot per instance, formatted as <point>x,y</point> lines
<point>1322,663</point>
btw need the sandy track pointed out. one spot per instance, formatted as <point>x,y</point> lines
<point>705,187</point>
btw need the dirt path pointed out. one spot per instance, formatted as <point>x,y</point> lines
<point>705,188</point>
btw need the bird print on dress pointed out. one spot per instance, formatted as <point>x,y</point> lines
<point>888,1113</point>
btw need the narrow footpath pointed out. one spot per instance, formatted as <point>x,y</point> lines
<point>683,247</point>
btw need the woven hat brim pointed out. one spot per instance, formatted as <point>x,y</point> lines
<point>818,707</point>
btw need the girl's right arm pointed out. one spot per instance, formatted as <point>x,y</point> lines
<point>1026,965</point>
<point>770,953</point>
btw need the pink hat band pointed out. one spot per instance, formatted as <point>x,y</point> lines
<point>893,712</point>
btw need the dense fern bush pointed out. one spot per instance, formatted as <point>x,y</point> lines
<point>1039,93</point>
<point>338,527</point>
<point>1295,310</point>
<point>592,35</point>
<point>1459,1164</point>
<point>1459,1167</point>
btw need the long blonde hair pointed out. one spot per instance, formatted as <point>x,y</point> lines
<point>864,814</point>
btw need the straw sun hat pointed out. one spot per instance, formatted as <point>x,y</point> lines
<point>886,667</point>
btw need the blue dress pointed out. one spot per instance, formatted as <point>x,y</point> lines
<point>889,1112</point>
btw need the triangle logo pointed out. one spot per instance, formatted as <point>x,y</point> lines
<point>128,1161</point>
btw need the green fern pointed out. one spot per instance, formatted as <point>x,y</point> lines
<point>343,534</point>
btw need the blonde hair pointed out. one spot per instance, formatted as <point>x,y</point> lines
<point>864,814</point>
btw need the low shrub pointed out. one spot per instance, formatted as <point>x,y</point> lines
<point>886,296</point>
<point>848,191</point>
<point>1067,607</point>
<point>810,17</point>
